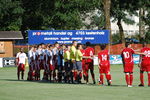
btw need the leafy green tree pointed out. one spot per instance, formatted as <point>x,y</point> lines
<point>120,12</point>
<point>10,15</point>
<point>57,14</point>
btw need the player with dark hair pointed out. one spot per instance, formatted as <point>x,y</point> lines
<point>104,65</point>
<point>50,62</point>
<point>83,62</point>
<point>144,64</point>
<point>37,70</point>
<point>73,62</point>
<point>31,63</point>
<point>127,59</point>
<point>43,58</point>
<point>89,52</point>
<point>128,64</point>
<point>61,63</point>
<point>79,56</point>
<point>55,61</point>
<point>67,65</point>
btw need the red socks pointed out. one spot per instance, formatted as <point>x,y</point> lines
<point>75,75</point>
<point>102,79</point>
<point>108,77</point>
<point>80,75</point>
<point>127,79</point>
<point>131,79</point>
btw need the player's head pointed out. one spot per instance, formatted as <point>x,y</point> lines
<point>83,46</point>
<point>74,43</point>
<point>48,44</point>
<point>88,44</point>
<point>127,45</point>
<point>68,47</point>
<point>21,49</point>
<point>103,46</point>
<point>51,47</point>
<point>144,44</point>
<point>63,46</point>
<point>56,44</point>
<point>43,45</point>
<point>48,47</point>
<point>31,48</point>
<point>35,48</point>
<point>60,47</point>
<point>39,46</point>
<point>79,46</point>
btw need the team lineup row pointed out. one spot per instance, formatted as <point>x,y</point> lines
<point>69,63</point>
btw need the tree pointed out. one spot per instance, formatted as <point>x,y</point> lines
<point>107,7</point>
<point>120,12</point>
<point>56,14</point>
<point>10,15</point>
<point>143,7</point>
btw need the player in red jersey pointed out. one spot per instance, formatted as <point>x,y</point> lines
<point>83,62</point>
<point>104,65</point>
<point>128,64</point>
<point>127,59</point>
<point>89,52</point>
<point>144,64</point>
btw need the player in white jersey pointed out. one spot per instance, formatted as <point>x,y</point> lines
<point>36,64</point>
<point>31,63</point>
<point>55,61</point>
<point>37,70</point>
<point>20,61</point>
<point>49,57</point>
<point>42,54</point>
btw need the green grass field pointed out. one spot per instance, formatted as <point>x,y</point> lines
<point>11,89</point>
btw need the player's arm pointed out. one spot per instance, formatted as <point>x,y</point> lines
<point>122,58</point>
<point>87,57</point>
<point>91,55</point>
<point>138,52</point>
<point>80,54</point>
<point>139,65</point>
<point>67,55</point>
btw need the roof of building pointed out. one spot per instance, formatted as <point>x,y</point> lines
<point>10,35</point>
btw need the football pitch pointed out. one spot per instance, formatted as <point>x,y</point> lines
<point>12,89</point>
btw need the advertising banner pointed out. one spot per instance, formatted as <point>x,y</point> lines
<point>117,59</point>
<point>67,36</point>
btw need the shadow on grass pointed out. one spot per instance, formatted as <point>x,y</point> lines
<point>48,82</point>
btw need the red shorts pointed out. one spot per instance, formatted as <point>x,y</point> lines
<point>21,67</point>
<point>128,67</point>
<point>104,68</point>
<point>89,65</point>
<point>51,67</point>
<point>145,66</point>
